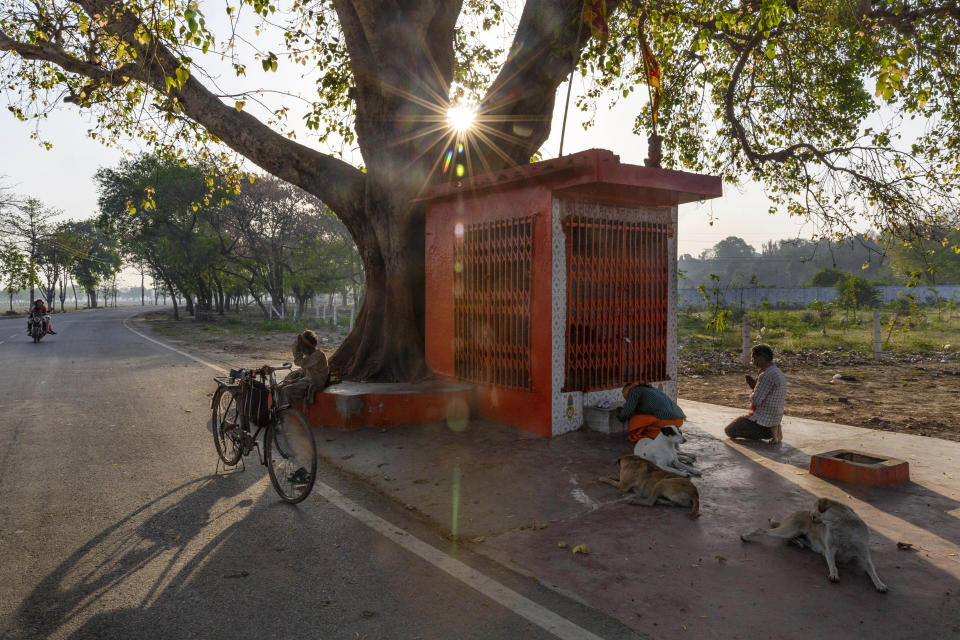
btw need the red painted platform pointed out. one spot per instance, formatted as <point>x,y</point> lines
<point>348,405</point>
<point>857,467</point>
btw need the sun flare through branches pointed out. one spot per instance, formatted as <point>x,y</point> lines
<point>460,117</point>
<point>461,138</point>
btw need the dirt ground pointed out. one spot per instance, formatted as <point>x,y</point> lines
<point>912,394</point>
<point>217,339</point>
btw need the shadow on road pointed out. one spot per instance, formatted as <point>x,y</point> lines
<point>144,558</point>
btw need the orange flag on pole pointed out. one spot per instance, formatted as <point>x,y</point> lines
<point>650,63</point>
<point>595,15</point>
<point>652,67</point>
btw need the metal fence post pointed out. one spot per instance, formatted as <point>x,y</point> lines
<point>877,345</point>
<point>745,353</point>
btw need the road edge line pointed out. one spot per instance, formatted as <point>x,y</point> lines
<point>508,598</point>
<point>216,368</point>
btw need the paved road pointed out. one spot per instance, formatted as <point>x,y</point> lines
<point>114,525</point>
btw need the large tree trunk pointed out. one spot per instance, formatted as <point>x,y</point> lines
<point>401,58</point>
<point>259,300</point>
<point>407,60</point>
<point>386,342</point>
<point>173,298</point>
<point>63,291</point>
<point>220,297</point>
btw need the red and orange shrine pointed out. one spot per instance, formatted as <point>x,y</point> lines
<point>551,285</point>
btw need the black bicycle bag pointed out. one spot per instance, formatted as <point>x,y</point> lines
<point>257,406</point>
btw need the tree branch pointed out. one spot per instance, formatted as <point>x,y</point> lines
<point>332,180</point>
<point>519,104</point>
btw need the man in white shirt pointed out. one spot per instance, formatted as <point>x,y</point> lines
<point>762,421</point>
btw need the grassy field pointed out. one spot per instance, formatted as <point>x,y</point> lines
<point>914,388</point>
<point>251,322</point>
<point>925,331</point>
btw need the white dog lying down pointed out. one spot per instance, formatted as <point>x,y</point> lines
<point>662,451</point>
<point>831,529</point>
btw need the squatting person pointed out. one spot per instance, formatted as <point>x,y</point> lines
<point>647,411</point>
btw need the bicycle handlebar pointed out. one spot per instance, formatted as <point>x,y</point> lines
<point>262,371</point>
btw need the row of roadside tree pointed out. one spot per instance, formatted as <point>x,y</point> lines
<point>206,236</point>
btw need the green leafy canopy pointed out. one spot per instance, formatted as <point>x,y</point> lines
<point>844,108</point>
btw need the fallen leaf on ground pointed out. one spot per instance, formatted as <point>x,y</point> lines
<point>905,546</point>
<point>582,548</point>
<point>562,544</point>
<point>720,559</point>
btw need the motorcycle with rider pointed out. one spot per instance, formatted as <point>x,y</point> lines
<point>39,323</point>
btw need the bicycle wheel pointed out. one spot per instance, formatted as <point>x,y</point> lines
<point>291,455</point>
<point>226,425</point>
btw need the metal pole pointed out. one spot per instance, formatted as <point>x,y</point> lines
<point>576,60</point>
<point>877,344</point>
<point>745,353</point>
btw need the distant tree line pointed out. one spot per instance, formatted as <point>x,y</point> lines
<point>213,238</point>
<point>880,259</point>
<point>42,256</point>
<point>207,237</point>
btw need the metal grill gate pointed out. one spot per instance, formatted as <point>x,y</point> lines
<point>617,288</point>
<point>491,302</point>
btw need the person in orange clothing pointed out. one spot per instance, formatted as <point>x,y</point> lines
<point>648,410</point>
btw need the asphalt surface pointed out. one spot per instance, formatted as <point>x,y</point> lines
<point>115,524</point>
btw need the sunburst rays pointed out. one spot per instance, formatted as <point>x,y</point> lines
<point>455,132</point>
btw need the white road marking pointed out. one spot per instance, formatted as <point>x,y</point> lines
<point>174,349</point>
<point>541,616</point>
<point>508,598</point>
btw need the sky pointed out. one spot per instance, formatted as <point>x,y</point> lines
<point>63,177</point>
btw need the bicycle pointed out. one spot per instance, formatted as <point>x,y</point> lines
<point>289,451</point>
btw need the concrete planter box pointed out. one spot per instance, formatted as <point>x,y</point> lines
<point>857,467</point>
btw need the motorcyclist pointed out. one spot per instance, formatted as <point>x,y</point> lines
<point>40,309</point>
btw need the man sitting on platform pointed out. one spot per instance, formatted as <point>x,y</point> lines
<point>647,411</point>
<point>312,375</point>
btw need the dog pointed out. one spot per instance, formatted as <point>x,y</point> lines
<point>653,484</point>
<point>833,530</point>
<point>662,451</point>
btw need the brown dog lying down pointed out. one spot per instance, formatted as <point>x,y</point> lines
<point>833,530</point>
<point>653,484</point>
